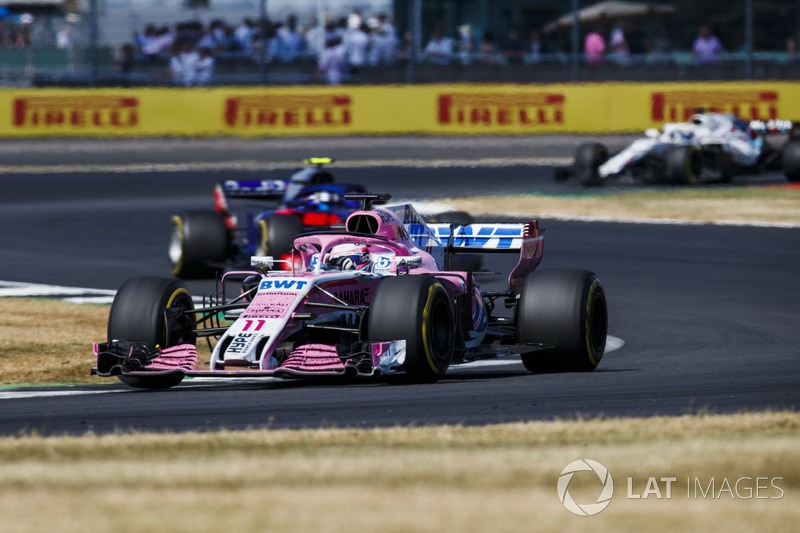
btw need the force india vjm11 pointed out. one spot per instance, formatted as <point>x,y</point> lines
<point>374,299</point>
<point>710,147</point>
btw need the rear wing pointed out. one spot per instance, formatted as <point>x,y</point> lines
<point>526,239</point>
<point>487,237</point>
<point>255,189</point>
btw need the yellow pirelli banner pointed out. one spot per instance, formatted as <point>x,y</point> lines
<point>382,110</point>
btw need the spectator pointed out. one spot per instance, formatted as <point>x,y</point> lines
<point>64,38</point>
<point>244,36</point>
<point>791,48</point>
<point>662,46</point>
<point>487,50</point>
<point>465,43</point>
<point>384,41</point>
<point>183,64</point>
<point>594,46</point>
<point>315,39</point>
<point>706,48</point>
<point>356,44</point>
<point>204,67</point>
<point>123,58</point>
<point>161,42</point>
<point>514,48</point>
<point>619,43</point>
<point>536,46</point>
<point>440,48</point>
<point>332,63</point>
<point>290,43</point>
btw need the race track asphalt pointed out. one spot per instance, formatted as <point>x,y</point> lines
<point>708,314</point>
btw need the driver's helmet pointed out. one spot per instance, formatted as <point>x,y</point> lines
<point>324,200</point>
<point>348,257</point>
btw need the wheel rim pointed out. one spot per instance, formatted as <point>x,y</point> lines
<point>262,245</point>
<point>440,335</point>
<point>598,323</point>
<point>176,244</point>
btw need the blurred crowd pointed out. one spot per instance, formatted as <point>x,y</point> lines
<point>341,46</point>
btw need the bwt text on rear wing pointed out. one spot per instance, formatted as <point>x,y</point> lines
<point>487,237</point>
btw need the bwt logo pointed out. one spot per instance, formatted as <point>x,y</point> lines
<point>500,109</point>
<point>287,284</point>
<point>606,492</point>
<point>274,111</point>
<point>679,106</point>
<point>76,112</point>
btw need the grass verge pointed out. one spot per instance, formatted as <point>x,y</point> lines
<point>777,205</point>
<point>452,478</point>
<point>47,341</point>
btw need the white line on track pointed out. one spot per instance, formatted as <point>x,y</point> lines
<point>491,162</point>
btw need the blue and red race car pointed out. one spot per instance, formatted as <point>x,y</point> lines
<point>205,241</point>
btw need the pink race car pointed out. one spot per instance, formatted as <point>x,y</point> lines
<point>375,298</point>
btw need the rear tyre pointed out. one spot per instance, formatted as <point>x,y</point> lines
<point>588,158</point>
<point>276,233</point>
<point>198,238</point>
<point>138,314</point>
<point>565,309</point>
<point>791,161</point>
<point>683,164</point>
<point>418,310</point>
<point>465,262</point>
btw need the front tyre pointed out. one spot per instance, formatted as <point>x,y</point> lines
<point>197,238</point>
<point>138,313</point>
<point>565,309</point>
<point>791,161</point>
<point>418,310</point>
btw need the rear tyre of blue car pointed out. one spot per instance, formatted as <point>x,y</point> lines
<point>416,309</point>
<point>564,309</point>
<point>138,313</point>
<point>276,233</point>
<point>197,240</point>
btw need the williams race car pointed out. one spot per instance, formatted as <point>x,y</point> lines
<point>710,147</point>
<point>205,241</point>
<point>376,299</point>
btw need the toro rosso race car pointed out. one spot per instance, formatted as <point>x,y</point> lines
<point>710,147</point>
<point>376,299</point>
<point>205,241</point>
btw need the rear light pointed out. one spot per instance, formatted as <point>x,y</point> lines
<point>319,219</point>
<point>298,262</point>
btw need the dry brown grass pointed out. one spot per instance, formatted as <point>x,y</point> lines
<point>47,341</point>
<point>492,478</point>
<point>739,204</point>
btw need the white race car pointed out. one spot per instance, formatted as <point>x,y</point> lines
<point>710,147</point>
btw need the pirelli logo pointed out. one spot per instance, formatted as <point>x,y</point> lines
<point>747,104</point>
<point>70,112</point>
<point>501,109</point>
<point>276,111</point>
